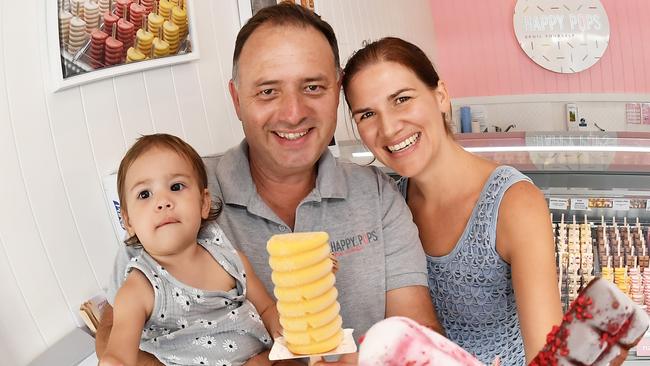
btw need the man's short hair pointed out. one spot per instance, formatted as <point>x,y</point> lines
<point>285,13</point>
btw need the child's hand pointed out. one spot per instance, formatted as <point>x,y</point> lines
<point>497,361</point>
<point>110,361</point>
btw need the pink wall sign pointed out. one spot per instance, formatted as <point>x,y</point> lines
<point>479,55</point>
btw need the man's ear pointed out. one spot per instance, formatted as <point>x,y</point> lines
<point>339,79</point>
<point>234,94</point>
<point>206,204</point>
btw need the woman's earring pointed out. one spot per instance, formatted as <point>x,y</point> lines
<point>448,123</point>
<point>446,117</point>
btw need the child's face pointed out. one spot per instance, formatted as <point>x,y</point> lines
<point>164,202</point>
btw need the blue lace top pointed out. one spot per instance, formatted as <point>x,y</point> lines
<point>471,286</point>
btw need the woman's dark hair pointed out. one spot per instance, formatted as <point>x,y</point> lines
<point>396,50</point>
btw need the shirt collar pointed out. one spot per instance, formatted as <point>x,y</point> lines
<point>238,188</point>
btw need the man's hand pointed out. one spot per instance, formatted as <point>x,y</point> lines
<point>288,363</point>
<point>348,359</point>
<point>262,359</point>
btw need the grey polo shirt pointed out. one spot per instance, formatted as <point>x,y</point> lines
<point>371,230</point>
<point>370,226</point>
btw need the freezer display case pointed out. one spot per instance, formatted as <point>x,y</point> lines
<point>597,186</point>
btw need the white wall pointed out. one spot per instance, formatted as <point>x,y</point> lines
<point>56,239</point>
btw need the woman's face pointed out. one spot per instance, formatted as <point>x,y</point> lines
<point>398,117</point>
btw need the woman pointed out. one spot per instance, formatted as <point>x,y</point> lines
<point>485,228</point>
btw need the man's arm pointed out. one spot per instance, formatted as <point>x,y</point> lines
<point>104,330</point>
<point>413,302</point>
<point>407,291</point>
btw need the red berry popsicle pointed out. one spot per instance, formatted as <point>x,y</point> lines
<point>109,20</point>
<point>125,33</point>
<point>598,323</point>
<point>97,44</point>
<point>113,50</point>
<point>399,341</point>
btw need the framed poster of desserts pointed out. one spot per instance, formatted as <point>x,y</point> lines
<point>90,40</point>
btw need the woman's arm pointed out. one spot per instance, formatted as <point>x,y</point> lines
<point>525,240</point>
<point>133,305</point>
<point>261,299</point>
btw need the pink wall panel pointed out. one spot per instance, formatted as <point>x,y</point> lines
<point>478,53</point>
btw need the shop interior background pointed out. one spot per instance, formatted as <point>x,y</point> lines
<point>56,238</point>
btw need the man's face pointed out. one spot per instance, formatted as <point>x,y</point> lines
<point>286,95</point>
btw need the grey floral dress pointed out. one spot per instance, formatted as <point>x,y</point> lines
<point>189,326</point>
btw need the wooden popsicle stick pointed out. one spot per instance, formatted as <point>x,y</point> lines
<point>314,359</point>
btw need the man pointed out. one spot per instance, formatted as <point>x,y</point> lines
<point>285,89</point>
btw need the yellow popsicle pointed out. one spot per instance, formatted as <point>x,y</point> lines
<point>133,55</point>
<point>160,48</point>
<point>145,41</point>
<point>179,17</point>
<point>154,22</point>
<point>304,286</point>
<point>165,8</point>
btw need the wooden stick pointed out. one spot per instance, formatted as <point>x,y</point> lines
<point>314,359</point>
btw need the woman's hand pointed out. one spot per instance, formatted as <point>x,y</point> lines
<point>620,359</point>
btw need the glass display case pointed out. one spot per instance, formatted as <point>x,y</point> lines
<point>597,185</point>
<point>598,189</point>
<point>598,174</point>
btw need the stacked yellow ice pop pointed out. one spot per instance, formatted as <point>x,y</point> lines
<point>133,54</point>
<point>159,47</point>
<point>304,286</point>
<point>154,21</point>
<point>621,279</point>
<point>165,8</point>
<point>144,38</point>
<point>171,36</point>
<point>607,273</point>
<point>179,17</point>
<point>145,41</point>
